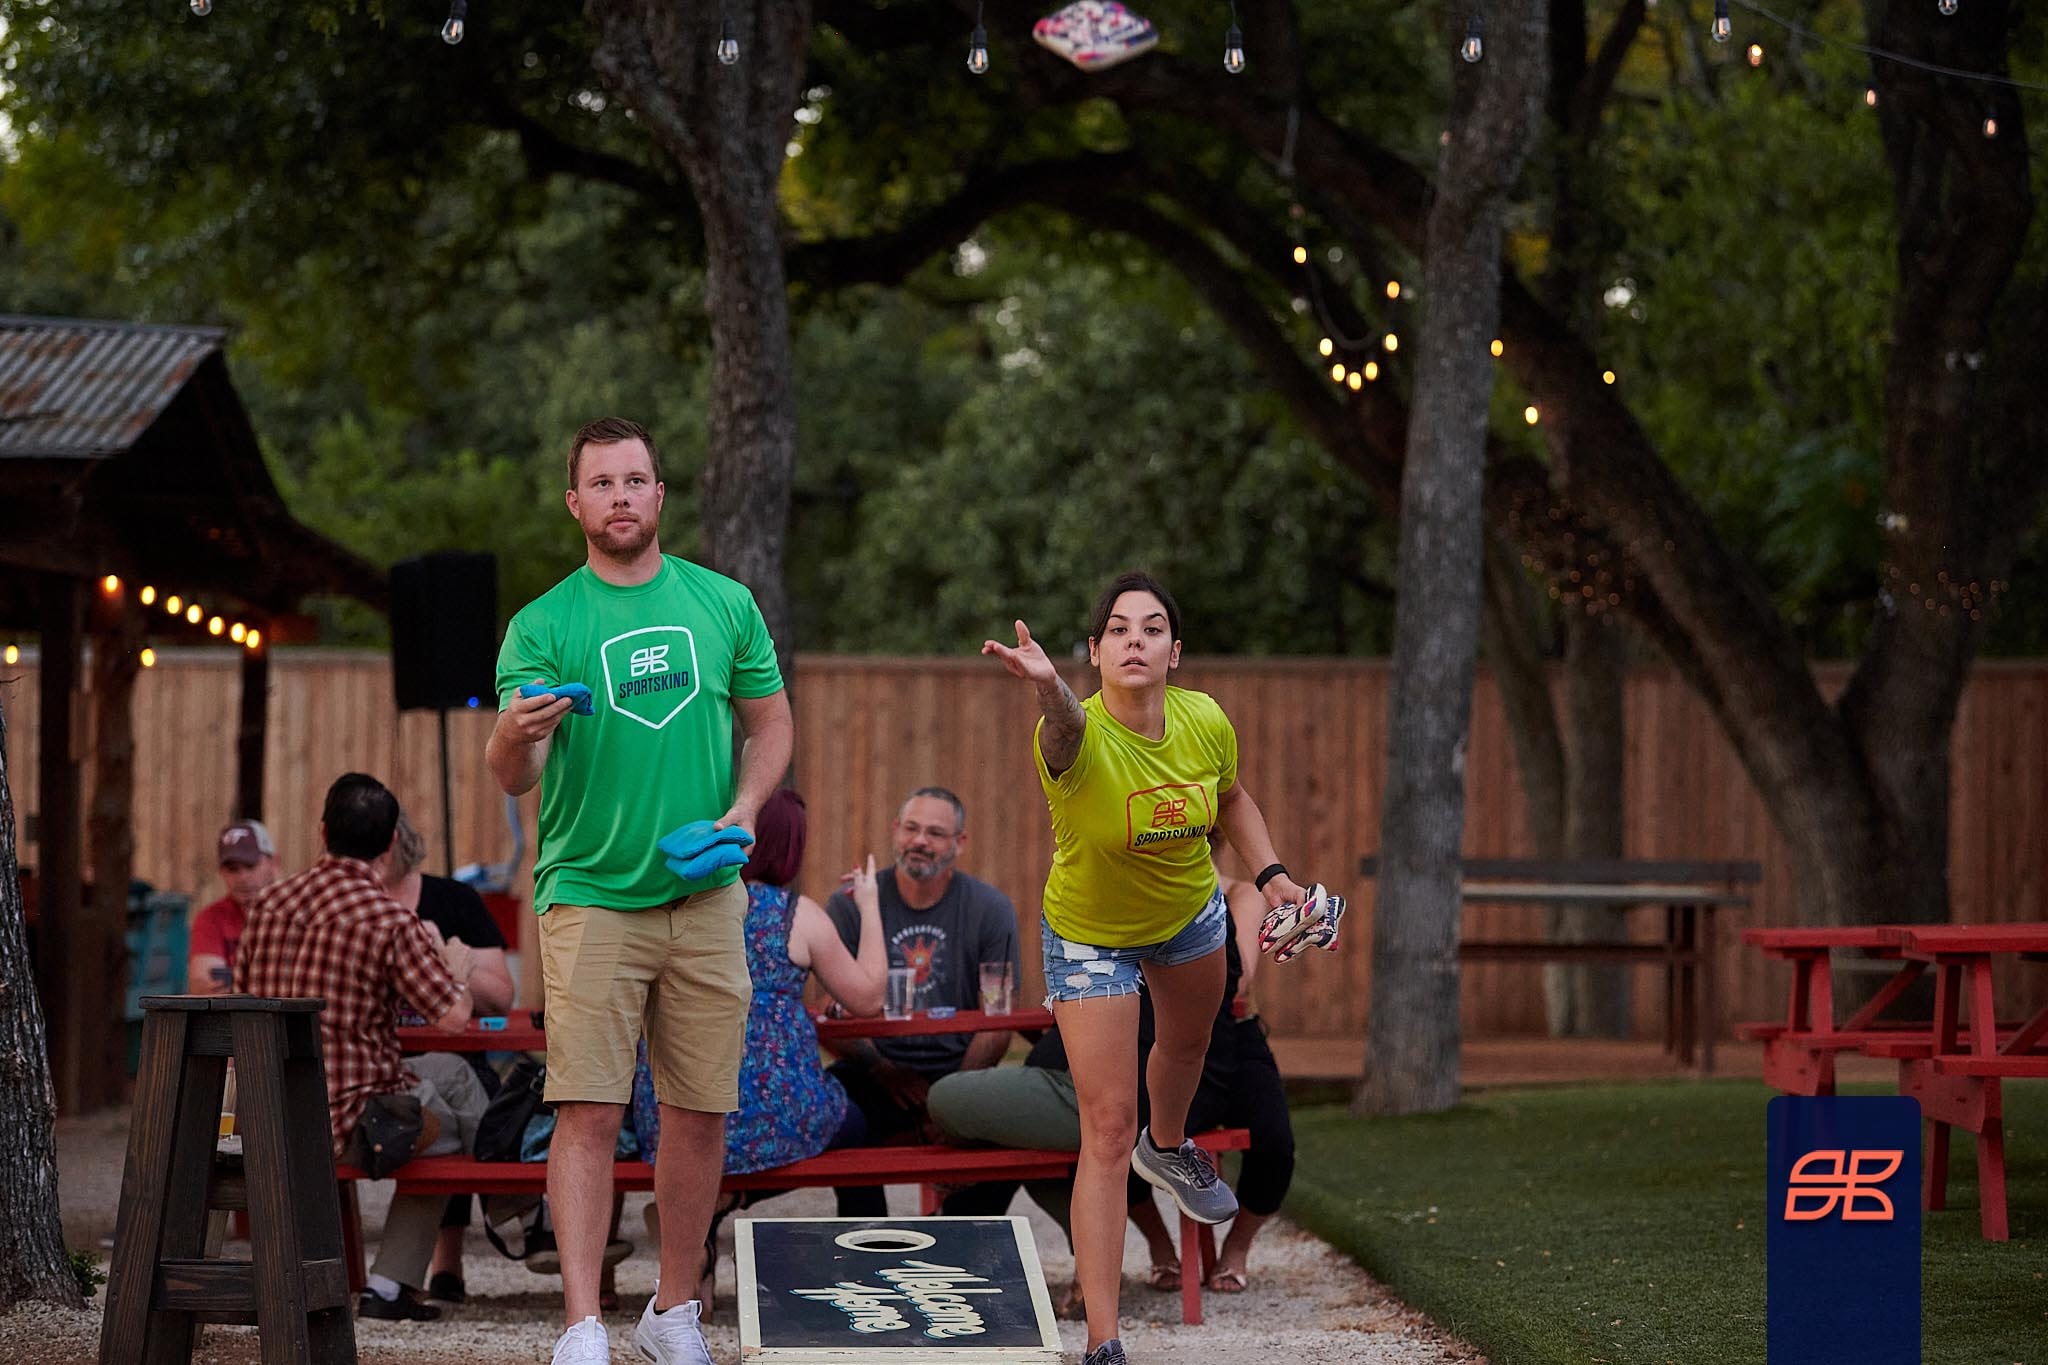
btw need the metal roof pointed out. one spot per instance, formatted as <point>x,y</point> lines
<point>79,389</point>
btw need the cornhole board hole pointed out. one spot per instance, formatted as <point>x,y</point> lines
<point>831,1291</point>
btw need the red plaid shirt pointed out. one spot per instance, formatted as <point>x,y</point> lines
<point>334,932</point>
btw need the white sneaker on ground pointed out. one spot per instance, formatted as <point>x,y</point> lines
<point>672,1338</point>
<point>584,1344</point>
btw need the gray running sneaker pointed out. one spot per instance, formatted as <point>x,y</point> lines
<point>1110,1352</point>
<point>1188,1176</point>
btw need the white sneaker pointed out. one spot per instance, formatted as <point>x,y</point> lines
<point>584,1344</point>
<point>672,1338</point>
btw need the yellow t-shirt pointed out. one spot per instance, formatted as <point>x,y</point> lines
<point>1130,823</point>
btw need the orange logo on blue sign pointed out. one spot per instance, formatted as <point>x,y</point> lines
<point>1828,1178</point>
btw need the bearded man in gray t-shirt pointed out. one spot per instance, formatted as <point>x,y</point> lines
<point>944,924</point>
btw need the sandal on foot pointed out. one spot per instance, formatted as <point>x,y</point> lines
<point>1165,1276</point>
<point>1228,1281</point>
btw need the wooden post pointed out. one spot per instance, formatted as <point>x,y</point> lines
<point>68,980</point>
<point>253,732</point>
<point>116,660</point>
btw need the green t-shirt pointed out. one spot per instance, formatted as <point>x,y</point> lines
<point>663,661</point>
<point>1131,820</point>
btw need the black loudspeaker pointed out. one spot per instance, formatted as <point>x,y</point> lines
<point>444,631</point>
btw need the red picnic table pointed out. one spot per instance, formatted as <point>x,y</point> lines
<point>1952,1064</point>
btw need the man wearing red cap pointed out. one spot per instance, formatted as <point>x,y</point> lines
<point>248,863</point>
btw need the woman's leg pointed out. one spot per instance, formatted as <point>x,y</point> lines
<point>1185,1000</point>
<point>1101,1035</point>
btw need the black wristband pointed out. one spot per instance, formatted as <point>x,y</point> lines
<point>1276,870</point>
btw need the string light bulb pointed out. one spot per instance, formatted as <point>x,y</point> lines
<point>1233,44</point>
<point>1990,125</point>
<point>111,584</point>
<point>1337,372</point>
<point>237,631</point>
<point>451,32</point>
<point>12,653</point>
<point>1530,415</point>
<point>1474,47</point>
<point>1870,96</point>
<point>148,595</point>
<point>174,604</point>
<point>1372,370</point>
<point>1497,348</point>
<point>215,625</point>
<point>1391,342</point>
<point>254,638</point>
<point>1393,289</point>
<point>1326,346</point>
<point>192,614</point>
<point>977,46</point>
<point>1301,255</point>
<point>1607,376</point>
<point>1354,381</point>
<point>1756,54</point>
<point>1947,7</point>
<point>202,8</point>
<point>148,654</point>
<point>1724,27</point>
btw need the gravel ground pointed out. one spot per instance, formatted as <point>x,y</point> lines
<point>1306,1305</point>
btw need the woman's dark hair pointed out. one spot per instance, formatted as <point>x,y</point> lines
<point>1133,580</point>
<point>780,832</point>
<point>360,816</point>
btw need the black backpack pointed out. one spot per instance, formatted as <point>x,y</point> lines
<point>503,1125</point>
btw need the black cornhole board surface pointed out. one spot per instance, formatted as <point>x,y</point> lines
<point>809,1285</point>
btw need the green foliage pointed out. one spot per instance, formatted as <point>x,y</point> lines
<point>85,1268</point>
<point>1627,1223</point>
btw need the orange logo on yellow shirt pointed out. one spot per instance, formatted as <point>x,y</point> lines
<point>1159,817</point>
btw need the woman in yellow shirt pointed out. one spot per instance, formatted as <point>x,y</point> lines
<point>1135,779</point>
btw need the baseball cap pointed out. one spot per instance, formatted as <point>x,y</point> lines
<point>246,842</point>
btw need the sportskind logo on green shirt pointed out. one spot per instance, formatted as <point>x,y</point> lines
<point>651,674</point>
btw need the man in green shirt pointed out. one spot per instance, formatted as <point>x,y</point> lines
<point>672,654</point>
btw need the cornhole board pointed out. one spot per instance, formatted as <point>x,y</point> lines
<point>830,1291</point>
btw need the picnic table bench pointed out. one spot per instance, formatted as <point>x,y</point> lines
<point>924,1165</point>
<point>1689,892</point>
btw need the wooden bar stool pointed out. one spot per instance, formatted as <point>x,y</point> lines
<point>161,1285</point>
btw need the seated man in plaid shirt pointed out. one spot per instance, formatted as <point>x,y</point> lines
<point>333,931</point>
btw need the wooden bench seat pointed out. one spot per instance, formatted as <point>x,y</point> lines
<point>927,1166</point>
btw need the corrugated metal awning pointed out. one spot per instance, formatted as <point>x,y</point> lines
<point>86,389</point>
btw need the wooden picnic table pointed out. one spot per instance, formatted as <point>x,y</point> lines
<point>520,1034</point>
<point>1960,1083</point>
<point>1689,893</point>
<point>1954,1064</point>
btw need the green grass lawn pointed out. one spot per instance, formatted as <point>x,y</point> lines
<point>1626,1224</point>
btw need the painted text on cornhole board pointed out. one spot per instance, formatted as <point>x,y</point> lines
<point>903,1289</point>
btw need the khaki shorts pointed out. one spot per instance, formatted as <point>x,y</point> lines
<point>677,972</point>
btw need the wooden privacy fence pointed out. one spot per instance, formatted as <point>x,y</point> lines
<point>1312,734</point>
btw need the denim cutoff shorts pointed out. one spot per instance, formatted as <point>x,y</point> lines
<point>1080,971</point>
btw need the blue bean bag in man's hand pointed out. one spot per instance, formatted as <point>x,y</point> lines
<point>699,849</point>
<point>575,692</point>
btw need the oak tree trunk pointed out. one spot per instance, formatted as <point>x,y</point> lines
<point>33,1264</point>
<point>1413,1030</point>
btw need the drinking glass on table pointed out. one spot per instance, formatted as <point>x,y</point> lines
<point>998,987</point>
<point>900,991</point>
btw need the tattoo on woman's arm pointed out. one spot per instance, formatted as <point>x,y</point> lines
<point>1059,739</point>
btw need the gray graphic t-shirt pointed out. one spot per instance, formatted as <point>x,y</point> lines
<point>971,924</point>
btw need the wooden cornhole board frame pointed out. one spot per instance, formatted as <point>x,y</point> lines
<point>998,1251</point>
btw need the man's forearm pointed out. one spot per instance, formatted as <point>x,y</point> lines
<point>986,1050</point>
<point>514,766</point>
<point>763,760</point>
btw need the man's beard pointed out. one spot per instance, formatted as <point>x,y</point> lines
<point>926,870</point>
<point>623,544</point>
